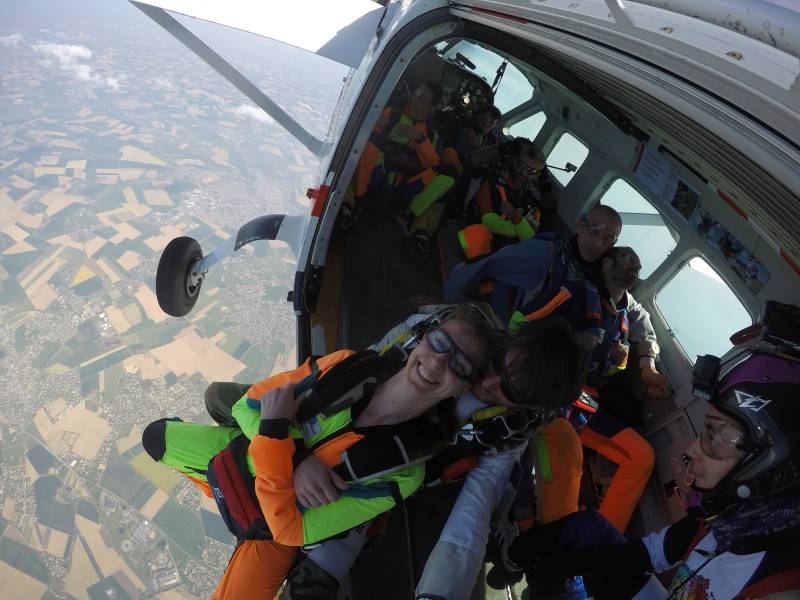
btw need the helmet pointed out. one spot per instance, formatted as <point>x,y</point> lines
<point>761,392</point>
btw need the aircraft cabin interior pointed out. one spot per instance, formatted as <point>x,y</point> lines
<point>707,270</point>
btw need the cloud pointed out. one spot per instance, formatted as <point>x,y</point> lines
<point>253,112</point>
<point>69,58</point>
<point>162,82</point>
<point>10,41</point>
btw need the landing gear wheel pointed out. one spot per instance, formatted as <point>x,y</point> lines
<point>177,293</point>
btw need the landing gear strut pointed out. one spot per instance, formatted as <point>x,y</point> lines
<point>183,267</point>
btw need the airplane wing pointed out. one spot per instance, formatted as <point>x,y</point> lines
<point>340,31</point>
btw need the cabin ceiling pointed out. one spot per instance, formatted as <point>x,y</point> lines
<point>753,189</point>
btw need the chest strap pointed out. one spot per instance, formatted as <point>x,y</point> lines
<point>387,449</point>
<point>505,429</point>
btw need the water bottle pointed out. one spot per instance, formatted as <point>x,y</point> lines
<point>574,589</point>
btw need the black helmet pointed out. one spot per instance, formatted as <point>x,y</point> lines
<point>761,392</point>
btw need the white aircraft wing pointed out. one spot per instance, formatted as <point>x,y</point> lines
<point>339,30</point>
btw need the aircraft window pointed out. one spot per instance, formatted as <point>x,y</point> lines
<point>568,150</point>
<point>529,127</point>
<point>514,87</point>
<point>701,310</point>
<point>643,229</point>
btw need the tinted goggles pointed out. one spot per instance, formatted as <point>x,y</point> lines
<point>459,362</point>
<point>722,441</point>
<point>506,386</point>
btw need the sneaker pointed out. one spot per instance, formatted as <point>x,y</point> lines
<point>504,533</point>
<point>423,241</point>
<point>405,219</point>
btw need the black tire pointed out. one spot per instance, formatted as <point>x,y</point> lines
<point>175,296</point>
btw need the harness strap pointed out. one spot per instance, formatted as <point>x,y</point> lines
<point>342,385</point>
<point>561,296</point>
<point>381,453</point>
<point>506,429</point>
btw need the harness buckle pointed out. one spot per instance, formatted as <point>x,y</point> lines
<point>516,425</point>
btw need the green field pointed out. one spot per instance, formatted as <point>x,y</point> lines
<point>111,378</point>
<point>158,474</point>
<point>183,527</point>
<point>24,559</point>
<point>125,482</point>
<point>20,338</point>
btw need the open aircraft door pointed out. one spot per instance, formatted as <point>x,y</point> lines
<point>341,31</point>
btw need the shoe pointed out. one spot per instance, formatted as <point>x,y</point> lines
<point>423,241</point>
<point>499,579</point>
<point>308,581</point>
<point>405,219</point>
<point>503,534</point>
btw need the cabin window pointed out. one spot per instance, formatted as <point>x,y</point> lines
<point>513,89</point>
<point>701,310</point>
<point>568,149</point>
<point>529,127</point>
<point>643,229</point>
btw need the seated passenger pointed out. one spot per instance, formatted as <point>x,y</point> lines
<point>508,201</point>
<point>426,195</point>
<point>539,267</point>
<point>540,370</point>
<point>742,528</point>
<point>479,133</point>
<point>403,144</point>
<point>603,314</point>
<point>249,468</point>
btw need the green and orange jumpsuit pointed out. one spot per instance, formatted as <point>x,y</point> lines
<point>258,567</point>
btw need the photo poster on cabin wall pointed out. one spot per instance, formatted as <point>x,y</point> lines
<point>655,173</point>
<point>735,254</point>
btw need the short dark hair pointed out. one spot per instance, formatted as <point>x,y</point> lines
<point>615,251</point>
<point>531,151</point>
<point>549,363</point>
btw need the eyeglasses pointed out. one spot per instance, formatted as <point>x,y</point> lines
<point>506,386</point>
<point>722,441</point>
<point>526,168</point>
<point>459,362</point>
<point>596,228</point>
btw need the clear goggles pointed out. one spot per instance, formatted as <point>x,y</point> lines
<point>459,361</point>
<point>722,441</point>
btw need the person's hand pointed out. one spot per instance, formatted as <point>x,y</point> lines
<point>279,403</point>
<point>508,210</point>
<point>315,484</point>
<point>658,386</point>
<point>619,353</point>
